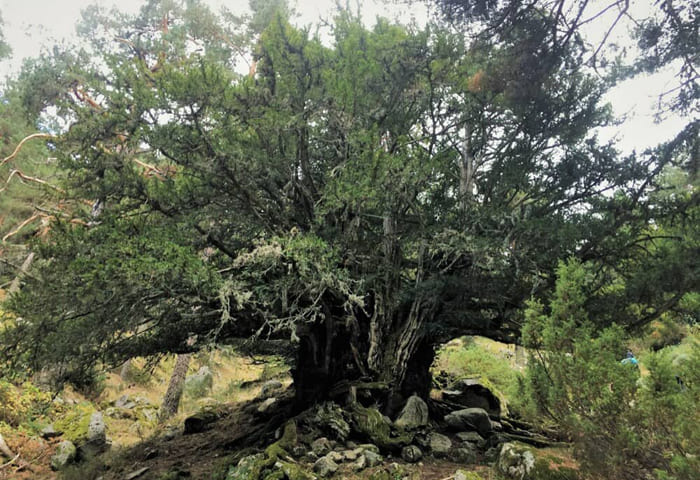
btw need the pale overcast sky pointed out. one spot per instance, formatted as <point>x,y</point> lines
<point>31,24</point>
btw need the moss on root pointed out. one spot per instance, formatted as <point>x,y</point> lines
<point>274,463</point>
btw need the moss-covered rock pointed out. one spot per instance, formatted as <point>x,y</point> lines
<point>65,454</point>
<point>275,475</point>
<point>330,419</point>
<point>289,435</point>
<point>295,472</point>
<point>325,466</point>
<point>516,461</point>
<point>248,468</point>
<point>74,424</point>
<point>470,419</point>
<point>464,475</point>
<point>479,393</point>
<point>371,424</point>
<point>414,414</point>
<point>393,471</point>
<point>203,418</point>
<point>522,462</point>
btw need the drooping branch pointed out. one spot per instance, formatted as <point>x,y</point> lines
<point>21,175</point>
<point>12,460</point>
<point>21,144</point>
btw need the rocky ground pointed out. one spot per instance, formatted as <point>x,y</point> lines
<point>327,441</point>
<point>463,432</point>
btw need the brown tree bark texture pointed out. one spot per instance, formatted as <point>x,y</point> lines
<point>171,400</point>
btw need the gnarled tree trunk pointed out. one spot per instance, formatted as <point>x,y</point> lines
<point>388,355</point>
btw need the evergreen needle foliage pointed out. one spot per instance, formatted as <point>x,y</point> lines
<point>621,424</point>
<point>356,201</point>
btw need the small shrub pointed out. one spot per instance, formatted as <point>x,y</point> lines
<point>21,404</point>
<point>664,332</point>
<point>668,406</point>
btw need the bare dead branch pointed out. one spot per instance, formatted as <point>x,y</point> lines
<point>21,144</point>
<point>150,169</point>
<point>21,226</point>
<point>5,450</point>
<point>13,460</point>
<point>18,173</point>
<point>84,97</point>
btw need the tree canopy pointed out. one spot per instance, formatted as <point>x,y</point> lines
<point>360,199</point>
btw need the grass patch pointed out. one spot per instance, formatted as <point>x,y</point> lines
<point>475,357</point>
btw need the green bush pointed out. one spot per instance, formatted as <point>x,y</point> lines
<point>664,332</point>
<point>621,426</point>
<point>669,402</point>
<point>21,404</point>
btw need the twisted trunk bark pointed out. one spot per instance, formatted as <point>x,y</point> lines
<point>388,358</point>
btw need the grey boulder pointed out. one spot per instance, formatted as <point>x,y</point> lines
<point>414,414</point>
<point>470,419</point>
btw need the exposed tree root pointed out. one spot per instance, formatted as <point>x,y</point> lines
<point>511,428</point>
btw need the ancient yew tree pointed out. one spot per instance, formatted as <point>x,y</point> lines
<point>360,199</point>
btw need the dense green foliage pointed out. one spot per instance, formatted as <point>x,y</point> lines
<point>347,150</point>
<point>621,424</point>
